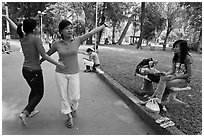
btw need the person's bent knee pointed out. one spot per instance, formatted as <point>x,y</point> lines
<point>180,83</point>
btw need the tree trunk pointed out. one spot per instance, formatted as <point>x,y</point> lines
<point>113,33</point>
<point>102,21</point>
<point>141,26</point>
<point>165,40</point>
<point>125,30</point>
<point>85,11</point>
<point>199,50</point>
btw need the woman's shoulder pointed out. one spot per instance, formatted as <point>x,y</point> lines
<point>34,37</point>
<point>188,60</point>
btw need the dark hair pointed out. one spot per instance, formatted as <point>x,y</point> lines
<point>184,51</point>
<point>89,49</point>
<point>63,24</point>
<point>28,26</point>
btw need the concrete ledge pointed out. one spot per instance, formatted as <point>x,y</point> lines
<point>133,102</point>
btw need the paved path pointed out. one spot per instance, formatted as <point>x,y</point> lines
<point>101,111</point>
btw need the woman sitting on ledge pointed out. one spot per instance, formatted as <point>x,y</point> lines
<point>179,76</point>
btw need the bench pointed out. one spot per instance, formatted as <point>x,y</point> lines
<point>147,80</point>
<point>148,86</point>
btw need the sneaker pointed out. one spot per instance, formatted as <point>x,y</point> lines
<point>87,70</point>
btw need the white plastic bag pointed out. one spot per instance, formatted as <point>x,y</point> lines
<point>153,106</point>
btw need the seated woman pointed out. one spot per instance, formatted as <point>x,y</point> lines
<point>180,74</point>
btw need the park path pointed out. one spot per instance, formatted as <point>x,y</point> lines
<point>101,111</point>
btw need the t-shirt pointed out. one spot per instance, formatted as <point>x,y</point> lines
<point>182,68</point>
<point>30,52</point>
<point>94,57</point>
<point>68,55</point>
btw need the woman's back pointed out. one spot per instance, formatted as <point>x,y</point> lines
<point>31,54</point>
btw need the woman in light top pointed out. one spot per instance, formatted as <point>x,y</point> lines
<point>67,78</point>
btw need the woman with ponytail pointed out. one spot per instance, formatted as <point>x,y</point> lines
<point>32,48</point>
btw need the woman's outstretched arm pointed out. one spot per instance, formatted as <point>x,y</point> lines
<point>13,25</point>
<point>87,35</point>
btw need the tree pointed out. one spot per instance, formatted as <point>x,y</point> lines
<point>133,11</point>
<point>194,16</point>
<point>141,24</point>
<point>102,18</point>
<point>89,9</point>
<point>154,23</point>
<point>19,10</point>
<point>125,29</point>
<point>171,11</point>
<point>115,13</point>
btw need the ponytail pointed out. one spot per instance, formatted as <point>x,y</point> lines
<point>20,31</point>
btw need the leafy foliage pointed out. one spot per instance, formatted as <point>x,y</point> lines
<point>154,22</point>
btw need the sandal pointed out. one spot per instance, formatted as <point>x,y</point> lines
<point>162,119</point>
<point>22,116</point>
<point>142,102</point>
<point>167,124</point>
<point>73,113</point>
<point>70,122</point>
<point>33,113</point>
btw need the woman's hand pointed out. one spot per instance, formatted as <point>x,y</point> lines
<point>172,77</point>
<point>61,65</point>
<point>106,25</point>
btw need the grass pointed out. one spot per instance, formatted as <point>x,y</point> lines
<point>120,61</point>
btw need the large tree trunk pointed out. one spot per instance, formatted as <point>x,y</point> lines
<point>102,21</point>
<point>125,30</point>
<point>141,26</point>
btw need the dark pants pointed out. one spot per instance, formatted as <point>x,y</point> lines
<point>35,81</point>
<point>93,68</point>
<point>88,67</point>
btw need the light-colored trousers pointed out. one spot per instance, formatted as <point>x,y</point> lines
<point>69,89</point>
<point>164,82</point>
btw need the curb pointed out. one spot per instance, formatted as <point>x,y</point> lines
<point>133,102</point>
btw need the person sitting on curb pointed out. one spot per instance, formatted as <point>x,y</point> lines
<point>92,61</point>
<point>147,68</point>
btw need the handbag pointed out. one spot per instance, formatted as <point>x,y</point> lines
<point>153,106</point>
